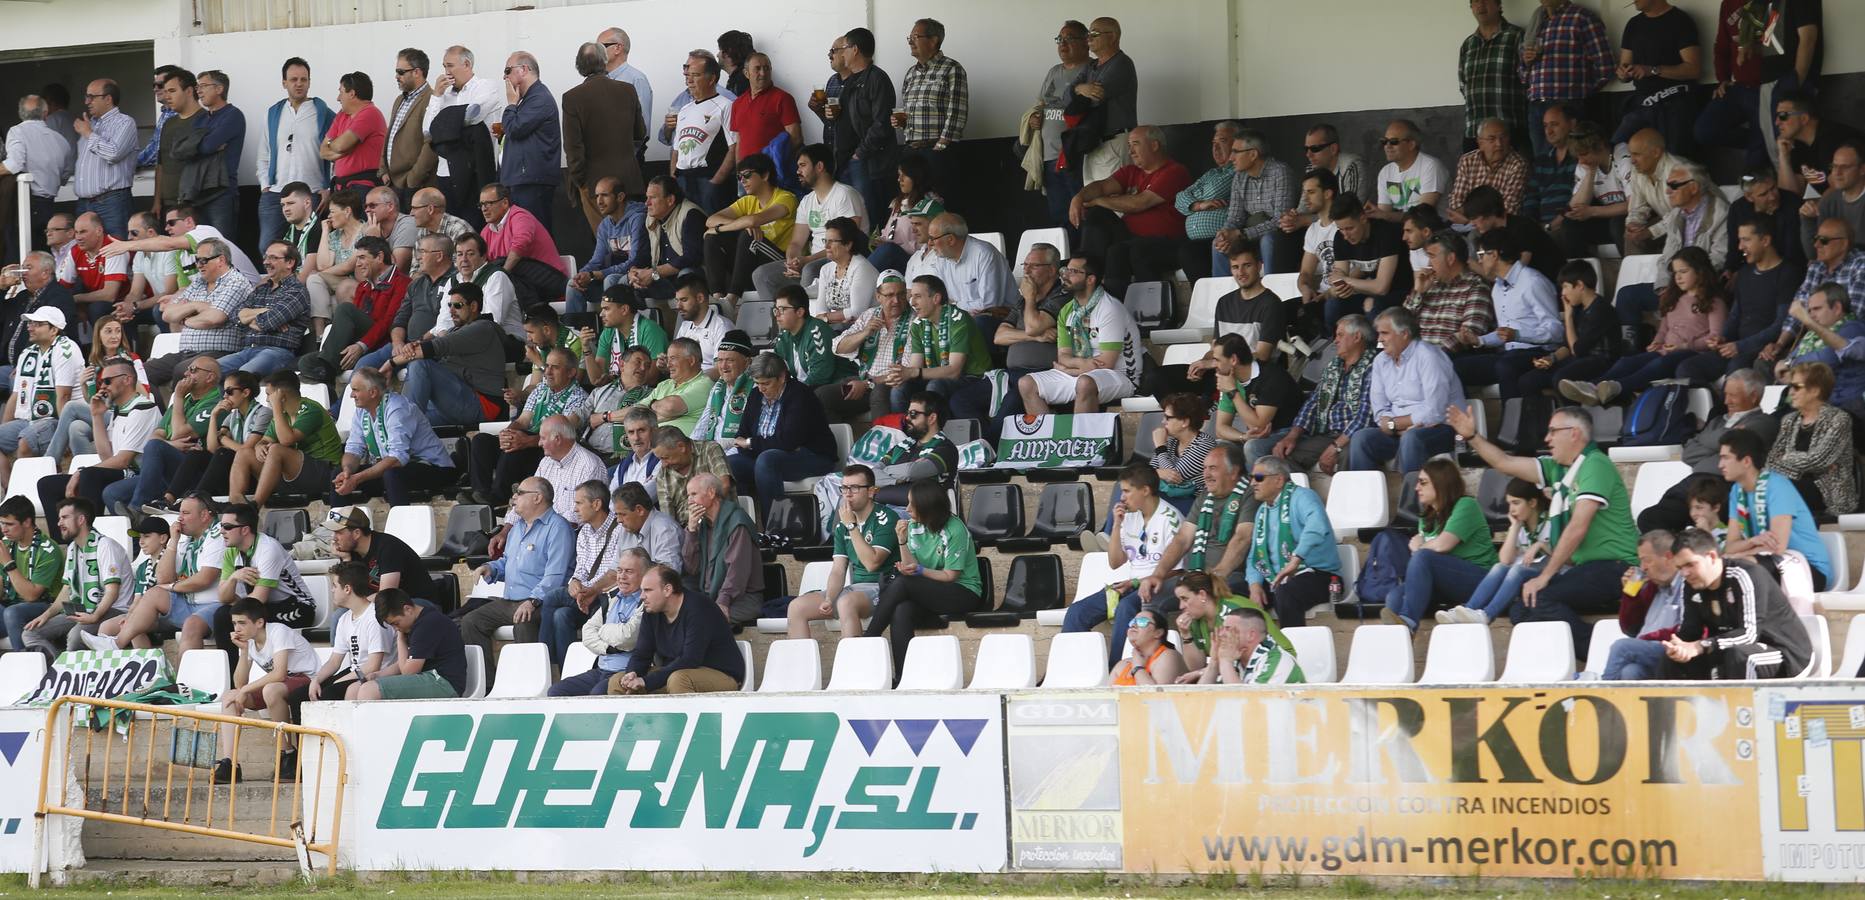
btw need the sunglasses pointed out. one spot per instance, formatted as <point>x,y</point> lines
<point>1317,148</point>
<point>1392,142</point>
<point>456,306</point>
<point>1825,239</point>
<point>400,72</point>
<point>508,69</point>
<point>1140,622</point>
<point>1260,477</point>
<point>1677,185</point>
<point>1784,116</point>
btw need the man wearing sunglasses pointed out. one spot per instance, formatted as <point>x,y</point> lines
<point>1804,142</point>
<point>122,418</point>
<point>204,311</point>
<point>533,139</point>
<point>408,161</point>
<point>1411,177</point>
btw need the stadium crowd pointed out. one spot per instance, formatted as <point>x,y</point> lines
<point>756,293</point>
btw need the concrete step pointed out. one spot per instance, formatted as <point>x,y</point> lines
<point>252,806</point>
<point>119,873</point>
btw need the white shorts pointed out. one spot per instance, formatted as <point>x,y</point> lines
<point>1057,386</point>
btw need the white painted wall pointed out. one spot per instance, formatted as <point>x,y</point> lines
<point>62,23</point>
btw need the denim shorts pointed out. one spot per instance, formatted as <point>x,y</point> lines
<point>182,607</point>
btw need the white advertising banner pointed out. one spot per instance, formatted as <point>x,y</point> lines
<point>874,782</point>
<point>1812,782</point>
<point>22,747</point>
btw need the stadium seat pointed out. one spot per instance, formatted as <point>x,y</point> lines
<point>24,482</point>
<point>995,513</point>
<point>287,526</point>
<point>1076,660</point>
<point>1054,237</point>
<point>792,665</point>
<point>1380,654</point>
<point>313,390</point>
<point>320,602</point>
<point>578,659</point>
<point>523,671</point>
<point>1406,515</point>
<point>1357,500</point>
<point>414,524</point>
<point>1539,652</point>
<point>1035,583</point>
<point>164,344</point>
<point>494,429</point>
<point>117,528</point>
<point>1652,480</point>
<point>1063,510</point>
<point>996,240</point>
<point>346,417</point>
<point>1842,563</point>
<point>1821,665</point>
<point>1200,314</point>
<point>1143,436</point>
<point>475,671</point>
<point>1459,654</point>
<point>1492,493</point>
<point>933,664</point>
<point>960,431</point>
<point>751,679</point>
<point>1148,302</point>
<point>1637,269</point>
<point>205,670</point>
<point>794,518</point>
<point>1771,397</point>
<point>468,525</point>
<point>749,505</point>
<point>20,674</point>
<point>1849,661</point>
<point>81,461</point>
<point>1314,651</point>
<point>1605,634</point>
<point>844,439</point>
<point>1608,424</point>
<point>1004,662</point>
<point>758,319</point>
<point>1349,572</point>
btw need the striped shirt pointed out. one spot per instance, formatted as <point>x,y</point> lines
<point>937,101</point>
<point>1486,73</point>
<point>34,148</point>
<point>106,156</point>
<point>227,295</point>
<point>1269,663</point>
<point>1509,177</point>
<point>1448,306</point>
<point>1188,462</point>
<point>1550,186</point>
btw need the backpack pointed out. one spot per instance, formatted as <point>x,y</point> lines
<point>1661,415</point>
<point>1383,576</point>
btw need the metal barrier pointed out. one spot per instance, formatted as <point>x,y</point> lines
<point>104,780</point>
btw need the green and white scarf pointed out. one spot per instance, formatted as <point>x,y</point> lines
<point>87,583</point>
<point>1214,525</point>
<point>1280,513</point>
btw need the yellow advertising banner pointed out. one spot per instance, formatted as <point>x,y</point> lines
<point>1643,781</point>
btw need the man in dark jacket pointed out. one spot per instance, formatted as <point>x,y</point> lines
<point>602,123</point>
<point>1737,623</point>
<point>682,648</point>
<point>862,129</point>
<point>458,378</point>
<point>783,435</point>
<point>533,138</point>
<point>721,549</point>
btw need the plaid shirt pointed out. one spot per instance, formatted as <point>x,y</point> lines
<point>598,549</point>
<point>937,101</point>
<point>1270,193</point>
<point>1850,274</point>
<point>227,295</point>
<point>1550,186</point>
<point>1510,177</point>
<point>1486,73</point>
<point>287,313</point>
<point>1341,403</point>
<point>1215,184</point>
<point>1446,306</point>
<point>1574,59</point>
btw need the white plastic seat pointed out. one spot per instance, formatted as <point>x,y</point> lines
<point>414,524</point>
<point>323,655</point>
<point>1854,655</point>
<point>1200,314</point>
<point>314,390</point>
<point>205,670</point>
<point>1185,354</point>
<point>475,671</point>
<point>82,461</point>
<point>1637,269</point>
<point>1653,453</point>
<point>166,343</point>
<point>772,625</point>
<point>1380,654</point>
<point>1652,480</point>
<point>24,482</point>
<point>1076,660</point>
<point>320,602</point>
<point>1007,662</point>
<point>862,664</point>
<point>524,671</point>
<point>1821,665</point>
<point>751,678</point>
<point>1054,237</point>
<point>493,428</point>
<point>1092,576</point>
<point>1459,654</point>
<point>116,528</point>
<point>346,418</point>
<point>1314,651</point>
<point>933,664</point>
<point>1285,285</point>
<point>1605,634</point>
<point>1771,397</point>
<point>1539,652</point>
<point>994,238</point>
<point>792,665</point>
<point>1842,563</point>
<point>20,674</point>
<point>578,659</point>
<point>1349,572</point>
<point>1356,500</point>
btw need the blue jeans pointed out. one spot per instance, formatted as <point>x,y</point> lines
<point>159,461</point>
<point>16,617</point>
<point>1591,588</point>
<point>593,683</point>
<point>73,431</point>
<point>1636,372</point>
<point>1500,588</point>
<point>766,472</point>
<point>1091,610</point>
<point>1431,575</point>
<point>271,219</point>
<point>559,622</point>
<point>261,361</point>
<point>113,207</point>
<point>876,187</point>
<point>590,297</point>
<point>698,187</point>
<point>1634,660</point>
<point>1733,120</point>
<point>1059,187</point>
<point>222,211</point>
<point>445,397</point>
<point>1370,447</point>
<point>536,199</point>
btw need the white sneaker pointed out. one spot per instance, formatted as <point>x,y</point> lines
<point>98,642</point>
<point>1475,616</point>
<point>1450,616</point>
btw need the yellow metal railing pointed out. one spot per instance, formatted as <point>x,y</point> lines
<point>109,791</point>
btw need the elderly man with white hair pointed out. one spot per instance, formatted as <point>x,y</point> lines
<point>33,148</point>
<point>1128,218</point>
<point>484,104</point>
<point>722,550</point>
<point>536,562</point>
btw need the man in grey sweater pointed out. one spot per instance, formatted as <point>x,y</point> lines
<point>425,304</point>
<point>458,378</point>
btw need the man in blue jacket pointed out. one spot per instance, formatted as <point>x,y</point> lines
<point>533,138</point>
<point>288,152</point>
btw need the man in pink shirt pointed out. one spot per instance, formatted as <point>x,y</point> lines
<point>520,245</point>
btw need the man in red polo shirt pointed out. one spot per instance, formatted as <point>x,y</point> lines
<point>1129,219</point>
<point>760,113</point>
<point>96,282</point>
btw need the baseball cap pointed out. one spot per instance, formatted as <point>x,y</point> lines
<point>51,315</point>
<point>342,517</point>
<point>925,209</point>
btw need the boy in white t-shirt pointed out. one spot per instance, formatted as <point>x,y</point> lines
<point>286,662</point>
<point>1143,525</point>
<point>360,640</point>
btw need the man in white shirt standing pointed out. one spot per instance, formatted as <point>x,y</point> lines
<point>484,99</point>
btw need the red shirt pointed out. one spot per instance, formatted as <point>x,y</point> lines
<point>520,233</point>
<point>85,273</point>
<point>382,299</point>
<point>759,119</point>
<point>371,130</point>
<point>1165,182</point>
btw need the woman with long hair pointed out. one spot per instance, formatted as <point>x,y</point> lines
<point>109,342</point>
<point>938,570</point>
<point>1530,539</point>
<point>1451,551</point>
<point>1691,310</point>
<point>894,242</point>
